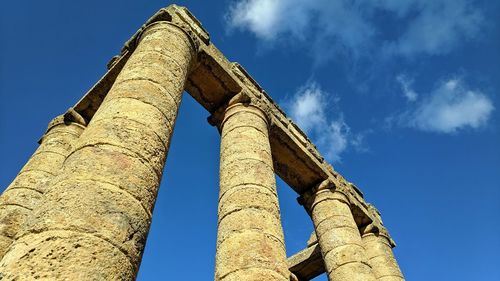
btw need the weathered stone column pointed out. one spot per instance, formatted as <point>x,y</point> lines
<point>250,242</point>
<point>337,232</point>
<point>25,192</point>
<point>93,222</point>
<point>378,245</point>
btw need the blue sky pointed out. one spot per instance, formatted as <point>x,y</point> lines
<point>401,96</point>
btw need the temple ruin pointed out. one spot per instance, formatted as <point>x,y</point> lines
<point>81,207</point>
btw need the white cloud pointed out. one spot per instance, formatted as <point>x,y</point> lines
<point>449,108</point>
<point>406,86</point>
<point>438,28</point>
<point>322,25</point>
<point>308,108</point>
<point>261,17</point>
<point>335,139</point>
<point>327,27</point>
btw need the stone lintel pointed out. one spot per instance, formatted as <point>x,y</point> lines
<point>91,101</point>
<point>180,16</point>
<point>296,159</point>
<point>307,264</point>
<point>213,81</point>
<point>377,226</point>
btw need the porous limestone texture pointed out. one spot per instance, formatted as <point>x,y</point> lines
<point>381,258</point>
<point>94,220</point>
<point>307,264</point>
<point>339,238</point>
<point>25,192</point>
<point>250,242</point>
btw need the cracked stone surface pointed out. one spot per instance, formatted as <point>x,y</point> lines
<point>339,238</point>
<point>380,257</point>
<point>26,191</point>
<point>250,242</point>
<point>94,219</point>
<point>81,207</point>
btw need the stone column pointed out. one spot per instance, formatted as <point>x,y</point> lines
<point>250,243</point>
<point>338,235</point>
<point>378,245</point>
<point>93,223</point>
<point>25,192</point>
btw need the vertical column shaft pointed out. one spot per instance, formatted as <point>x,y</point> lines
<point>339,237</point>
<point>94,221</point>
<point>250,242</point>
<point>25,192</point>
<point>381,258</point>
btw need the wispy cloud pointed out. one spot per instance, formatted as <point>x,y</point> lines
<point>439,27</point>
<point>262,17</point>
<point>327,27</point>
<point>308,108</point>
<point>406,86</point>
<point>450,107</point>
<point>320,25</point>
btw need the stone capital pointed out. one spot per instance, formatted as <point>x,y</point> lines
<point>338,191</point>
<point>177,16</point>
<point>377,226</point>
<point>224,111</point>
<point>70,117</point>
